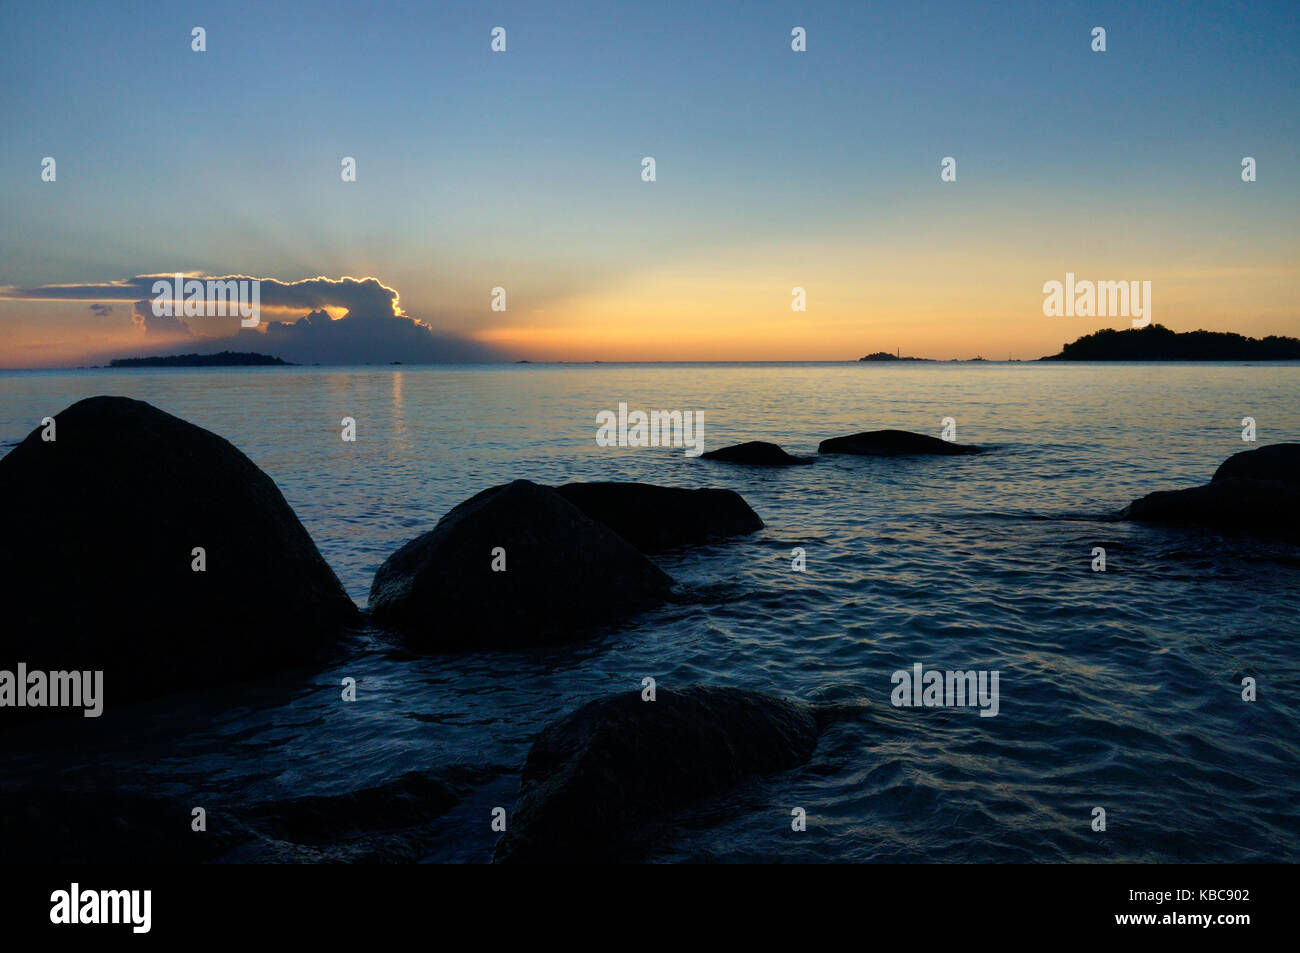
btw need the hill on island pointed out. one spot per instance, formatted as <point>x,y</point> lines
<point>1157,343</point>
<point>221,359</point>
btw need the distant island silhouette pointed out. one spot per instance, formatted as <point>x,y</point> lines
<point>886,356</point>
<point>1157,343</point>
<point>221,359</point>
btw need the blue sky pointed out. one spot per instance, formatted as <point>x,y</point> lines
<point>521,169</point>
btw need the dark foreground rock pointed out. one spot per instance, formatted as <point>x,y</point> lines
<point>893,443</point>
<point>595,778</point>
<point>654,518</point>
<point>97,532</point>
<point>104,827</point>
<point>564,575</point>
<point>755,453</point>
<point>393,822</point>
<point>1279,462</point>
<point>1264,508</point>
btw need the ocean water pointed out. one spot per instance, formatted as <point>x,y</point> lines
<point>1118,690</point>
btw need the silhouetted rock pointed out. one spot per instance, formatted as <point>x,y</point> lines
<point>1280,462</point>
<point>893,443</point>
<point>595,777</point>
<point>654,518</point>
<point>97,532</point>
<point>756,453</point>
<point>1256,492</point>
<point>1235,504</point>
<point>392,822</point>
<point>564,574</point>
<point>103,827</point>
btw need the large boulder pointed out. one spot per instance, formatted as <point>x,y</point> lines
<point>1234,504</point>
<point>654,518</point>
<point>595,778</point>
<point>97,532</point>
<point>1279,462</point>
<point>756,453</point>
<point>564,574</point>
<point>893,443</point>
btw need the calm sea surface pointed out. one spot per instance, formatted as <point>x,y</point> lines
<point>1119,690</point>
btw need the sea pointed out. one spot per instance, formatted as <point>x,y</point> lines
<point>1119,689</point>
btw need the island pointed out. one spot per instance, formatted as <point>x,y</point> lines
<point>886,356</point>
<point>1157,343</point>
<point>220,359</point>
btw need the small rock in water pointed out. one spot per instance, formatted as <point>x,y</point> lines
<point>757,453</point>
<point>1255,492</point>
<point>894,443</point>
<point>1264,508</point>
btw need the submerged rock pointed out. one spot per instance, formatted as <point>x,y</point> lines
<point>756,453</point>
<point>596,776</point>
<point>654,518</point>
<point>558,574</point>
<point>893,443</point>
<point>1257,507</point>
<point>98,529</point>
<point>1279,462</point>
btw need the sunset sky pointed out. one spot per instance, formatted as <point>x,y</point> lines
<point>522,169</point>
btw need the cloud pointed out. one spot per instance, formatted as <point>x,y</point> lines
<point>374,328</point>
<point>157,325</point>
<point>102,310</point>
<point>361,339</point>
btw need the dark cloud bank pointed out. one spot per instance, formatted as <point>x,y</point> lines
<point>373,331</point>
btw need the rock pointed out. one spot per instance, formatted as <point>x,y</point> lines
<point>1279,462</point>
<point>1257,507</point>
<point>893,443</point>
<point>756,453</point>
<point>404,803</point>
<point>564,575</point>
<point>654,518</point>
<point>105,827</point>
<point>99,528</point>
<point>1256,492</point>
<point>596,777</point>
<point>393,822</point>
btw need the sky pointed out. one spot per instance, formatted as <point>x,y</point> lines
<point>522,170</point>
